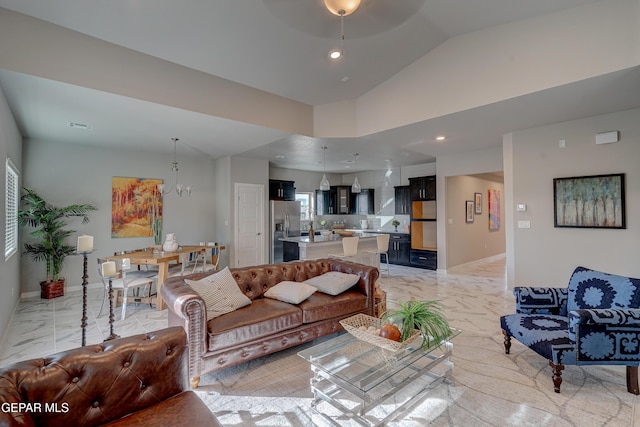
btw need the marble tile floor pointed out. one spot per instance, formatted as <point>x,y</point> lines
<point>41,327</point>
<point>275,390</point>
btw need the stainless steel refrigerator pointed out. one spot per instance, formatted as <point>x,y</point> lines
<point>285,222</point>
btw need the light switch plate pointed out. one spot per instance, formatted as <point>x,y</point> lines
<point>521,207</point>
<point>524,224</point>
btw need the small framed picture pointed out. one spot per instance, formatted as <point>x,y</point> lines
<point>470,210</point>
<point>477,201</point>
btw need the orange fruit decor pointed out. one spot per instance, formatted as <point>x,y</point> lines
<point>390,332</point>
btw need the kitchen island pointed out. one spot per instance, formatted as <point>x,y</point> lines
<point>321,247</point>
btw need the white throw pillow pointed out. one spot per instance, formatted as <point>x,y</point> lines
<point>220,293</point>
<point>333,282</point>
<point>291,292</point>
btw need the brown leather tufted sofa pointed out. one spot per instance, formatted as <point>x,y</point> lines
<point>134,381</point>
<point>266,325</point>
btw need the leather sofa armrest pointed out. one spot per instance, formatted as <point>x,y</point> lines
<point>541,300</point>
<point>186,304</point>
<point>368,278</point>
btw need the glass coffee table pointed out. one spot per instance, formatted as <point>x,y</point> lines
<point>372,385</point>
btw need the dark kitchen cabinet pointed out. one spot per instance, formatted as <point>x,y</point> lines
<point>290,251</point>
<point>325,202</point>
<point>424,259</point>
<point>399,249</point>
<point>403,200</point>
<point>362,203</point>
<point>282,190</point>
<point>423,188</point>
<point>343,199</point>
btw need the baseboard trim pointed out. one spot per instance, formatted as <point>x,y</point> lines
<point>74,288</point>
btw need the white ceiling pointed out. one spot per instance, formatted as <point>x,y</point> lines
<point>280,46</point>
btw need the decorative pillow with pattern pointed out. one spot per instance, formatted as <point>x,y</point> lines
<point>220,293</point>
<point>291,292</point>
<point>333,282</point>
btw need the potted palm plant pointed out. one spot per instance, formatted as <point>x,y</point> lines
<point>425,316</point>
<point>49,224</point>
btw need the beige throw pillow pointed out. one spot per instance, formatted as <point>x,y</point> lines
<point>333,282</point>
<point>291,292</point>
<point>220,293</point>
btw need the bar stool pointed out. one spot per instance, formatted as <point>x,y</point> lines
<point>349,249</point>
<point>382,241</point>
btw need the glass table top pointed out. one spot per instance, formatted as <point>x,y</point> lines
<point>364,365</point>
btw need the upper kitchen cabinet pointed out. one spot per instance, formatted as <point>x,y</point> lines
<point>282,190</point>
<point>403,200</point>
<point>325,202</point>
<point>343,199</point>
<point>362,203</point>
<point>423,188</point>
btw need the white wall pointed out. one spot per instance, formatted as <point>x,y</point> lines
<point>11,147</point>
<point>543,254</point>
<point>68,173</point>
<point>506,61</point>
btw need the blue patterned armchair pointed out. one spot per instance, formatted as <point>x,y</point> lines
<point>594,321</point>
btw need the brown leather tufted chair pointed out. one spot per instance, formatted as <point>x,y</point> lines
<point>138,380</point>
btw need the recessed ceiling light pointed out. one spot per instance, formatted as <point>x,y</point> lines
<point>279,156</point>
<point>335,54</point>
<point>344,79</point>
<point>440,138</point>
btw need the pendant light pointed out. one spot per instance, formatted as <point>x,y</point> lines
<point>180,188</point>
<point>355,188</point>
<point>324,183</point>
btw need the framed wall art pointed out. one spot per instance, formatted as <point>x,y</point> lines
<point>595,201</point>
<point>493,203</point>
<point>136,205</point>
<point>470,210</point>
<point>477,201</point>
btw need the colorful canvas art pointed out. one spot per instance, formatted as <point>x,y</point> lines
<point>493,202</point>
<point>136,206</point>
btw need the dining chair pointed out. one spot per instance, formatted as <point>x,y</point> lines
<point>382,241</point>
<point>192,262</point>
<point>349,248</point>
<point>126,280</point>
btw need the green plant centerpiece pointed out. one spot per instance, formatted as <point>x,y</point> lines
<point>50,234</point>
<point>425,316</point>
<point>323,223</point>
<point>395,223</point>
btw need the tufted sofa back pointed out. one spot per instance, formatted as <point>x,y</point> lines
<point>255,280</point>
<point>95,384</point>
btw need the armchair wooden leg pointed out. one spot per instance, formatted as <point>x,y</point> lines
<point>632,380</point>
<point>195,382</point>
<point>557,375</point>
<point>507,342</point>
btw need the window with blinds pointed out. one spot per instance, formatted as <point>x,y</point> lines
<point>11,211</point>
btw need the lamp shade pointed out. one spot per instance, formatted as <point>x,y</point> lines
<point>324,184</point>
<point>347,6</point>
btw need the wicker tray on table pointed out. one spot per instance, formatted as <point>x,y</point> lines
<point>357,326</point>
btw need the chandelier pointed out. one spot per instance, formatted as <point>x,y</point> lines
<point>180,188</point>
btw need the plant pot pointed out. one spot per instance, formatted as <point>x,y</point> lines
<point>52,289</point>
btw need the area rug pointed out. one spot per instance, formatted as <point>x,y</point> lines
<point>491,389</point>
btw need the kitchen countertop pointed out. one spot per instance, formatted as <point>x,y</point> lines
<point>321,241</point>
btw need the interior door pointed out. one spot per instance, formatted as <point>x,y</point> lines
<point>249,215</point>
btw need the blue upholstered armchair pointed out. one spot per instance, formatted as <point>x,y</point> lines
<point>594,321</point>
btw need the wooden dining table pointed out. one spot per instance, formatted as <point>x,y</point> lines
<point>162,259</point>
